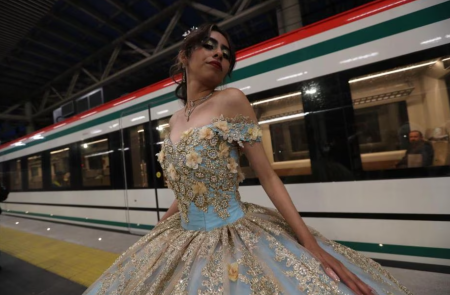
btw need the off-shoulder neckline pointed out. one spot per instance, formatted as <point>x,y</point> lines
<point>237,119</point>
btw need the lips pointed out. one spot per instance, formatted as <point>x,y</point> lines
<point>216,64</point>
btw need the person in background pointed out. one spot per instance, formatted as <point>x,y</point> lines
<point>58,181</point>
<point>419,154</point>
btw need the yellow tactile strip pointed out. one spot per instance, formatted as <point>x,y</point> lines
<point>77,263</point>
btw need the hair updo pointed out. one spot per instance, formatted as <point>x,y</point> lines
<point>192,42</point>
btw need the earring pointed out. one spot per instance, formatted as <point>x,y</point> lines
<point>184,77</point>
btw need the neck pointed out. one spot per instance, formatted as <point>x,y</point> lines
<point>196,91</point>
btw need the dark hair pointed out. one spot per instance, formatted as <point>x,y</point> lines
<point>192,41</point>
<point>420,133</point>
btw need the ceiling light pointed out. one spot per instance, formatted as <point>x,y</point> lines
<point>283,118</point>
<point>434,40</point>
<point>245,88</point>
<point>162,112</point>
<point>311,91</point>
<point>95,131</point>
<point>162,127</point>
<point>85,145</point>
<point>359,58</point>
<point>137,118</point>
<point>276,98</point>
<point>99,154</point>
<point>59,151</point>
<point>292,76</point>
<point>391,72</point>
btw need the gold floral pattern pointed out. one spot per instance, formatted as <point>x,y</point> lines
<point>233,271</point>
<point>206,160</point>
<point>255,255</point>
<point>193,159</point>
<point>247,257</point>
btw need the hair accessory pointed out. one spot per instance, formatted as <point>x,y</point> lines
<point>189,31</point>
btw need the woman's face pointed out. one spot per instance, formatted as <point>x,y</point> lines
<point>210,62</point>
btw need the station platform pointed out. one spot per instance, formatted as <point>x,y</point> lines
<point>39,257</point>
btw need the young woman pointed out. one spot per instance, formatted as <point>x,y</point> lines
<point>209,242</point>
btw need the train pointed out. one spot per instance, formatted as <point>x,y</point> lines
<point>336,101</point>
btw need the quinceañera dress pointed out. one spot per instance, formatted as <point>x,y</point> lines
<point>217,244</point>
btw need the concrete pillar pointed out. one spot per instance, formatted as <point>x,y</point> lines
<point>288,16</point>
<point>28,114</point>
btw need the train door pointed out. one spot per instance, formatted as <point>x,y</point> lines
<point>139,193</point>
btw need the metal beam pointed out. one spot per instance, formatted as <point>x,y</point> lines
<point>9,110</point>
<point>120,6</point>
<point>235,6</point>
<point>55,48</point>
<point>44,100</point>
<point>169,30</point>
<point>57,93</point>
<point>72,84</point>
<point>249,13</point>
<point>141,51</point>
<point>153,21</point>
<point>66,37</point>
<point>41,67</point>
<point>228,23</point>
<point>210,10</point>
<point>80,5</point>
<point>243,5</point>
<point>89,74</point>
<point>111,61</point>
<point>79,27</point>
<point>13,118</point>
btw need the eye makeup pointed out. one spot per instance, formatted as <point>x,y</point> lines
<point>212,44</point>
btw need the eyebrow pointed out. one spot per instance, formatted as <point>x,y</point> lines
<point>223,46</point>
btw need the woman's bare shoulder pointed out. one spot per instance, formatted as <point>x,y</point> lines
<point>235,102</point>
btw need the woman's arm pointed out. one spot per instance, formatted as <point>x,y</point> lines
<point>172,210</point>
<point>279,196</point>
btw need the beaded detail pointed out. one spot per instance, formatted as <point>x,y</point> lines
<point>203,167</point>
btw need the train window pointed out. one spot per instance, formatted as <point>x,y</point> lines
<point>60,168</point>
<point>15,175</point>
<point>162,127</point>
<point>138,156</point>
<point>402,116</point>
<point>95,163</point>
<point>35,172</point>
<point>282,122</point>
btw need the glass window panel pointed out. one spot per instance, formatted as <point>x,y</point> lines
<point>282,122</point>
<point>402,116</point>
<point>60,167</point>
<point>162,127</point>
<point>95,163</point>
<point>35,172</point>
<point>15,175</point>
<point>138,156</point>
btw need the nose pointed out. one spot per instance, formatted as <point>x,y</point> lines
<point>218,54</point>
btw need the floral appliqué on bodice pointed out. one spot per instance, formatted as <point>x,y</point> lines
<point>203,167</point>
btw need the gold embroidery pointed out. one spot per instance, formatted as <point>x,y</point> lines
<point>207,155</point>
<point>257,254</point>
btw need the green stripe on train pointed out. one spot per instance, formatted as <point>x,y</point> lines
<point>395,26</point>
<point>441,253</point>
<point>84,220</point>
